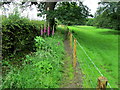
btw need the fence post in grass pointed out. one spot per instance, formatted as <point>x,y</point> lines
<point>74,54</point>
<point>102,83</point>
<point>70,40</point>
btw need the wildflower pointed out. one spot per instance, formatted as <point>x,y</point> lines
<point>53,31</point>
<point>48,30</point>
<point>58,43</point>
<point>41,32</point>
<point>44,28</point>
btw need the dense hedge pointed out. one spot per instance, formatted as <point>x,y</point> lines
<point>18,34</point>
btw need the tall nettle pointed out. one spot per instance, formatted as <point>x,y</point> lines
<point>48,30</point>
<point>53,31</point>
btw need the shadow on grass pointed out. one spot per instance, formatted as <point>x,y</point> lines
<point>110,32</point>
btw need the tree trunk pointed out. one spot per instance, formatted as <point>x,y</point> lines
<point>50,6</point>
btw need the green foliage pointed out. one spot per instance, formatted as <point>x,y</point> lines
<point>37,23</point>
<point>41,8</point>
<point>40,42</point>
<point>41,69</point>
<point>107,15</point>
<point>90,22</point>
<point>70,13</point>
<point>18,34</point>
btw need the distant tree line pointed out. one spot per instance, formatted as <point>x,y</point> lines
<point>106,16</point>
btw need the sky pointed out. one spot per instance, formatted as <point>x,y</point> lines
<point>92,4</point>
<point>32,12</point>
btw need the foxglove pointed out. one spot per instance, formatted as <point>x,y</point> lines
<point>53,31</point>
<point>44,29</point>
<point>48,30</point>
<point>41,32</point>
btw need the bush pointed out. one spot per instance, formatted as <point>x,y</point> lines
<point>18,34</point>
<point>42,69</point>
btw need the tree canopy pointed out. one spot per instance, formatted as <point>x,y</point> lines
<point>69,13</point>
<point>108,15</point>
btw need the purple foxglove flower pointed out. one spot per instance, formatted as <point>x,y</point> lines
<point>44,29</point>
<point>58,43</point>
<point>53,31</point>
<point>48,30</point>
<point>41,32</point>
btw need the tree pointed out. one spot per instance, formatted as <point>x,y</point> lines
<point>107,15</point>
<point>44,8</point>
<point>67,12</point>
<point>90,22</point>
<point>71,13</point>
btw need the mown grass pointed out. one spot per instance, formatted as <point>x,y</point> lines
<point>102,47</point>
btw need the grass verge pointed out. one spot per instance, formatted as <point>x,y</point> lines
<point>41,69</point>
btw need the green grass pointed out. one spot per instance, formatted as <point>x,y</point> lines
<point>68,72</point>
<point>41,69</point>
<point>102,47</point>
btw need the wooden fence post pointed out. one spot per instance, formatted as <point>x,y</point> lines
<point>70,40</point>
<point>102,83</point>
<point>74,54</point>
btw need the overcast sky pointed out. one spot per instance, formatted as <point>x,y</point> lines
<point>92,4</point>
<point>32,14</point>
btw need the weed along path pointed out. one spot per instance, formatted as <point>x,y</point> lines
<point>72,77</point>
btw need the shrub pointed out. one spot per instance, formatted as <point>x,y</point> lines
<point>18,34</point>
<point>40,70</point>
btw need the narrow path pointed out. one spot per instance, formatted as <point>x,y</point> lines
<point>72,78</point>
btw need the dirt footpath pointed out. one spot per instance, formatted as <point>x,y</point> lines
<point>72,78</point>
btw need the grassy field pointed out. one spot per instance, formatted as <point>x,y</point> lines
<point>101,46</point>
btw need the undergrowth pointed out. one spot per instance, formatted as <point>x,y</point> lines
<point>41,69</point>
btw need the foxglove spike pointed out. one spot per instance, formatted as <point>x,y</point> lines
<point>48,30</point>
<point>44,29</point>
<point>41,32</point>
<point>53,31</point>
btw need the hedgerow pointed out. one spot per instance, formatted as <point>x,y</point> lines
<point>41,69</point>
<point>18,34</point>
